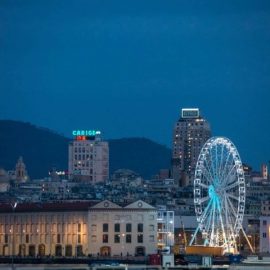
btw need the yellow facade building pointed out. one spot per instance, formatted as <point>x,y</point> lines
<point>78,229</point>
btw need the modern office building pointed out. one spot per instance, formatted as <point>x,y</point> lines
<point>78,229</point>
<point>190,133</point>
<point>88,157</point>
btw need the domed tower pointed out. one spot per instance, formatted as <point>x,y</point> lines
<point>20,171</point>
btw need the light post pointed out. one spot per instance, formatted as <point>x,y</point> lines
<point>123,244</point>
<point>253,236</point>
<point>13,205</point>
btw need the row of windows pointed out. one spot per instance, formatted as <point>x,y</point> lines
<point>37,218</point>
<point>105,227</point>
<point>41,228</point>
<point>83,157</point>
<point>82,150</point>
<point>125,237</point>
<point>26,237</point>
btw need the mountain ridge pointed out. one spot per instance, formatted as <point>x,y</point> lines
<point>43,148</point>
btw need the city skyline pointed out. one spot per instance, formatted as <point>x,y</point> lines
<point>128,69</point>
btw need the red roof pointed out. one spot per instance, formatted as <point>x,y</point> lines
<point>48,207</point>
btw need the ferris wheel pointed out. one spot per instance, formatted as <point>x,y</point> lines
<point>219,194</point>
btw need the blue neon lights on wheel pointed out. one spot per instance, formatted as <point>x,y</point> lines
<point>219,194</point>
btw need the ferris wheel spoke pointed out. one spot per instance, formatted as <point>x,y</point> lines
<point>229,210</point>
<point>230,172</point>
<point>213,164</point>
<point>216,162</point>
<point>226,164</point>
<point>208,169</point>
<point>204,199</point>
<point>203,185</point>
<point>221,160</point>
<point>232,185</point>
<point>232,207</point>
<point>233,197</point>
<point>207,215</point>
<point>228,223</point>
<point>209,178</point>
<point>227,171</point>
<point>207,219</point>
<point>206,211</point>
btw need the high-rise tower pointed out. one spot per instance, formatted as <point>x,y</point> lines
<point>190,133</point>
<point>88,157</point>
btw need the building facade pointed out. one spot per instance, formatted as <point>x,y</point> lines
<point>78,229</point>
<point>88,157</point>
<point>122,231</point>
<point>190,133</point>
<point>265,234</point>
<point>165,223</point>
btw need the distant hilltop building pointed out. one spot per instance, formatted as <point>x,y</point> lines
<point>190,133</point>
<point>88,157</point>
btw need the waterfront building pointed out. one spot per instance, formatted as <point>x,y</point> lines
<point>88,157</point>
<point>264,234</point>
<point>190,133</point>
<point>78,229</point>
<point>165,232</point>
<point>128,230</point>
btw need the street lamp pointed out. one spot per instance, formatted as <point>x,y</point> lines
<point>123,244</point>
<point>253,235</point>
<point>13,205</point>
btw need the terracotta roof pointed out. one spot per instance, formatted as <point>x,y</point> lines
<point>48,207</point>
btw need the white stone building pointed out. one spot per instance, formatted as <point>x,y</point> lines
<point>265,234</point>
<point>116,230</point>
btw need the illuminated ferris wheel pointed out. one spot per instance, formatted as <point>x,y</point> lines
<point>219,194</point>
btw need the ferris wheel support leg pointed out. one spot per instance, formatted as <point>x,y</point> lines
<point>249,244</point>
<point>194,236</point>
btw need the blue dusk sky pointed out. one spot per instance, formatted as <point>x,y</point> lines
<point>128,67</point>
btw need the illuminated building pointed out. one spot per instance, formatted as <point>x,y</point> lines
<point>116,230</point>
<point>165,221</point>
<point>78,229</point>
<point>88,157</point>
<point>190,133</point>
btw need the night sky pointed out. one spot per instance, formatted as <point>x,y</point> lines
<point>128,67</point>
